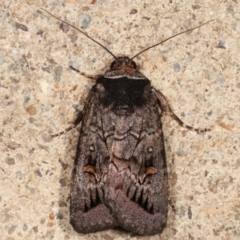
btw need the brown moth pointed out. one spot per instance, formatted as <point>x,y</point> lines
<point>120,172</point>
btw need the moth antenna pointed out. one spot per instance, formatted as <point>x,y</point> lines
<point>80,32</point>
<point>146,49</point>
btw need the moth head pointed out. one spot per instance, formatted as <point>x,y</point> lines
<point>123,63</point>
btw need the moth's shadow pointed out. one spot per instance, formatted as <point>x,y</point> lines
<point>168,132</point>
<point>69,143</point>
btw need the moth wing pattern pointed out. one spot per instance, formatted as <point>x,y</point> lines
<point>137,187</point>
<point>87,210</point>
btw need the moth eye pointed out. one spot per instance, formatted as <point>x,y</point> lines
<point>113,64</point>
<point>92,148</point>
<point>150,150</point>
<point>134,64</point>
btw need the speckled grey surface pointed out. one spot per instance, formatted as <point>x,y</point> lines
<point>39,96</point>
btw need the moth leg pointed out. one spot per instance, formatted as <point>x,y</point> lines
<point>93,77</point>
<point>76,122</point>
<point>165,107</point>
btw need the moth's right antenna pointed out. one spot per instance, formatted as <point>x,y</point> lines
<point>80,32</point>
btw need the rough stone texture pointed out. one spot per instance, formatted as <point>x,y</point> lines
<point>39,96</point>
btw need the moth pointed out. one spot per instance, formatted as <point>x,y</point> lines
<point>120,172</point>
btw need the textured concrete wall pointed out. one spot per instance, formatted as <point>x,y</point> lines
<point>39,95</point>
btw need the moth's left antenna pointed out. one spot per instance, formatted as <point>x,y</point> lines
<point>80,32</point>
<point>165,40</point>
